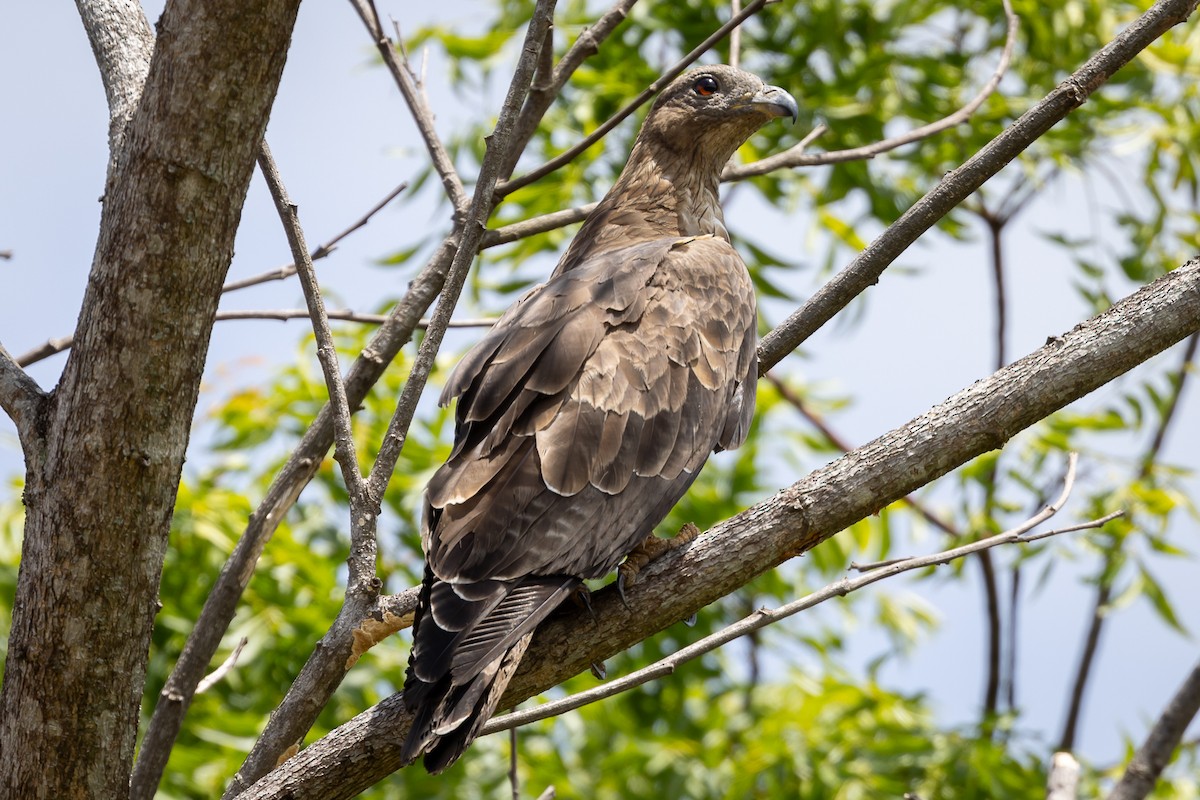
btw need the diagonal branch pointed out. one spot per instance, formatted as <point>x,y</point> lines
<point>797,157</point>
<point>1155,753</point>
<point>764,617</point>
<point>864,271</point>
<point>978,419</point>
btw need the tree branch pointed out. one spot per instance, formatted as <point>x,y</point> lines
<point>979,419</point>
<point>1155,753</point>
<point>764,617</point>
<point>543,93</point>
<point>122,43</point>
<point>362,553</point>
<point>53,346</point>
<point>1062,782</point>
<point>865,269</point>
<point>23,400</point>
<point>321,251</point>
<point>796,156</point>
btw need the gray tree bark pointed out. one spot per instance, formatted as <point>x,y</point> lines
<point>104,465</point>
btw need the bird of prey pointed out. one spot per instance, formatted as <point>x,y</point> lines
<point>588,409</point>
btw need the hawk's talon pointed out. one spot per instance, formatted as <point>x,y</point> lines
<point>651,548</point>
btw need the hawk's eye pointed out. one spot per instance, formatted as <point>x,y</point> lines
<point>706,85</point>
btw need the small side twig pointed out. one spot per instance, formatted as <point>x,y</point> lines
<point>796,157</point>
<point>218,674</point>
<point>53,346</point>
<point>764,617</point>
<point>21,398</point>
<point>321,251</point>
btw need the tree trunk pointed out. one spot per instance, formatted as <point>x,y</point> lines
<point>102,477</point>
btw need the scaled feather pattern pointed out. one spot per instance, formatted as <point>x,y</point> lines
<point>587,411</point>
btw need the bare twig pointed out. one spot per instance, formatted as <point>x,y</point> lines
<point>1154,754</point>
<point>796,157</point>
<point>865,269</point>
<point>418,105</point>
<point>345,452</point>
<point>342,314</point>
<point>508,187</point>
<point>481,208</point>
<point>735,37</point>
<point>218,674</point>
<point>764,617</point>
<point>320,252</point>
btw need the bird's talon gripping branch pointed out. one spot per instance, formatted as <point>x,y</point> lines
<point>651,549</point>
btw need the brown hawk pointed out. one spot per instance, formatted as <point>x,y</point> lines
<point>588,409</point>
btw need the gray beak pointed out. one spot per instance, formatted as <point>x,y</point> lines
<point>777,102</point>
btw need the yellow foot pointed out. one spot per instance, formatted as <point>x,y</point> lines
<point>650,549</point>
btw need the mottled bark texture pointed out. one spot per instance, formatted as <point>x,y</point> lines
<point>101,484</point>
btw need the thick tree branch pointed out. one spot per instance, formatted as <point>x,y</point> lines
<point>329,662</point>
<point>977,420</point>
<point>122,44</point>
<point>93,550</point>
<point>865,269</point>
<point>23,400</point>
<point>764,617</point>
<point>1155,753</point>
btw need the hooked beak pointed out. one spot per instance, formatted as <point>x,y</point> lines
<point>776,102</point>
